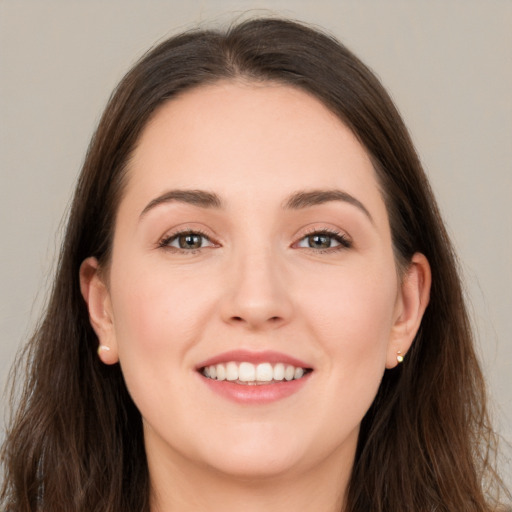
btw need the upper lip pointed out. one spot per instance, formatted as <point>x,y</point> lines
<point>250,356</point>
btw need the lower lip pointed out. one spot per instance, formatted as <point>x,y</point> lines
<point>255,394</point>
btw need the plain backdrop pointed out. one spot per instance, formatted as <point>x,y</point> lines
<point>447,64</point>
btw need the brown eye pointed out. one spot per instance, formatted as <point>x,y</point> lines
<point>190,241</point>
<point>319,241</point>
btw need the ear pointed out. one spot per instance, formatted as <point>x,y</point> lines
<point>414,295</point>
<point>96,295</point>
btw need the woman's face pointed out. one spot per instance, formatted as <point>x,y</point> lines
<point>252,237</point>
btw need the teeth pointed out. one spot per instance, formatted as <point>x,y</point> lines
<point>279,371</point>
<point>264,372</point>
<point>289,372</point>
<point>231,371</point>
<point>221,372</point>
<point>246,372</point>
<point>250,373</point>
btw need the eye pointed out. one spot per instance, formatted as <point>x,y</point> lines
<point>323,240</point>
<point>186,241</point>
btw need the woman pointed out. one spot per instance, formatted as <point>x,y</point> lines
<point>256,305</point>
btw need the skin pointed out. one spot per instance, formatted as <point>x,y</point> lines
<point>255,284</point>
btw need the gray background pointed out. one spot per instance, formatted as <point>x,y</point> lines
<point>447,63</point>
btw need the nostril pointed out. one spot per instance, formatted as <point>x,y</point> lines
<point>238,319</point>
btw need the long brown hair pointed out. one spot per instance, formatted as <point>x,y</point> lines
<point>76,442</point>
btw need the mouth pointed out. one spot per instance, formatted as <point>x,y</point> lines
<point>250,374</point>
<point>254,377</point>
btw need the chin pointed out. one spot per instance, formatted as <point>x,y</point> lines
<point>279,452</point>
<point>249,451</point>
<point>257,466</point>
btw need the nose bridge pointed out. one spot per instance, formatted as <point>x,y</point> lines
<point>256,292</point>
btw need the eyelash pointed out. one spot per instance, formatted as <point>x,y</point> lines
<point>166,241</point>
<point>341,238</point>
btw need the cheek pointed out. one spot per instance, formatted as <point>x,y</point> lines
<point>355,328</point>
<point>351,316</point>
<point>355,303</point>
<point>157,321</point>
<point>155,314</point>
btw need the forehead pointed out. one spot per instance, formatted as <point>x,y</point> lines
<point>256,141</point>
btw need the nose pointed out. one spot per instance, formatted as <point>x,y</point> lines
<point>257,295</point>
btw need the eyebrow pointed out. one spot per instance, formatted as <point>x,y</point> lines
<point>297,201</point>
<point>199,198</point>
<point>308,198</point>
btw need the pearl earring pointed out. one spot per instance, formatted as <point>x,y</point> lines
<point>103,348</point>
<point>399,357</point>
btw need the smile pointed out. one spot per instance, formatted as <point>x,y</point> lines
<point>254,374</point>
<point>254,377</point>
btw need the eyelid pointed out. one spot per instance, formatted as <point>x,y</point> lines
<point>343,239</point>
<point>164,241</point>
